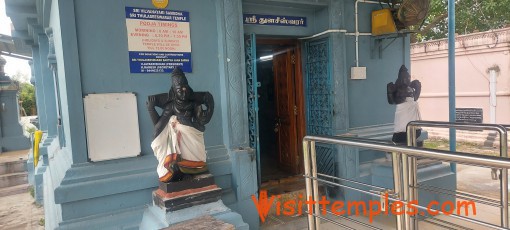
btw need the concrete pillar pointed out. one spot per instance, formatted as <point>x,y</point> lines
<point>39,91</point>
<point>48,85</point>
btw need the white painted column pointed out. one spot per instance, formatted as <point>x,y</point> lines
<point>493,73</point>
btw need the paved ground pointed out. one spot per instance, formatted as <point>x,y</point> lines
<point>471,179</point>
<point>19,211</point>
<point>477,180</point>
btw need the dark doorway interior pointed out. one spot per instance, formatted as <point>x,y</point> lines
<point>271,169</point>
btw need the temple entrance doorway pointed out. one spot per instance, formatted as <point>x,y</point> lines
<point>281,108</point>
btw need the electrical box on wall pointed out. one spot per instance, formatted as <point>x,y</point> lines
<point>358,72</point>
<point>382,22</point>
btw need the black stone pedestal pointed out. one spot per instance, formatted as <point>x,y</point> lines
<point>190,182</point>
<point>195,190</point>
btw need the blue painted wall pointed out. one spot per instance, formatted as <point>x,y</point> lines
<point>104,59</point>
<point>92,57</point>
<point>352,98</point>
<point>367,98</point>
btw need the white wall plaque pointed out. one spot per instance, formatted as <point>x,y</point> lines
<point>112,126</point>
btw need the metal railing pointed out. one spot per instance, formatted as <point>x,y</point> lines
<point>503,152</point>
<point>405,180</point>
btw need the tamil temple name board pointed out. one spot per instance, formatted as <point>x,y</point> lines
<point>274,20</point>
<point>158,40</point>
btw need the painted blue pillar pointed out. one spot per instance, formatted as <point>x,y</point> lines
<point>235,113</point>
<point>39,91</point>
<point>48,85</point>
<point>71,88</point>
<point>451,74</point>
<point>339,69</point>
<point>232,68</point>
<point>44,84</point>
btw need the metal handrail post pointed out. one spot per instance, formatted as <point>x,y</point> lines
<point>411,152</point>
<point>503,145</point>
<point>465,126</point>
<point>308,182</point>
<point>442,155</point>
<point>397,182</point>
<point>315,185</point>
<point>413,171</point>
<point>503,151</point>
<point>405,188</point>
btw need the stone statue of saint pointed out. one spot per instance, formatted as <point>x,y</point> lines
<point>404,93</point>
<point>179,130</point>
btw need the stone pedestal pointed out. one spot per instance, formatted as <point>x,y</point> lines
<point>194,182</point>
<point>173,196</point>
<point>187,201</point>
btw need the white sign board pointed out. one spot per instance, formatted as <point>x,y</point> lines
<point>112,126</point>
<point>158,40</point>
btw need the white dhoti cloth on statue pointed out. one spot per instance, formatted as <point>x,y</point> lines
<point>406,112</point>
<point>181,139</point>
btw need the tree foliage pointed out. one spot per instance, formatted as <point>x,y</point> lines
<point>20,77</point>
<point>27,96</point>
<point>470,16</point>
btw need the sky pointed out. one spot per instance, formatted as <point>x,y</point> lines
<point>13,65</point>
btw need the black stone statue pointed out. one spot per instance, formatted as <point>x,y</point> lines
<point>404,93</point>
<point>178,131</point>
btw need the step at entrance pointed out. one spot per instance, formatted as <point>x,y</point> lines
<point>285,189</point>
<point>12,167</point>
<point>13,173</point>
<point>13,179</point>
<point>22,188</point>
